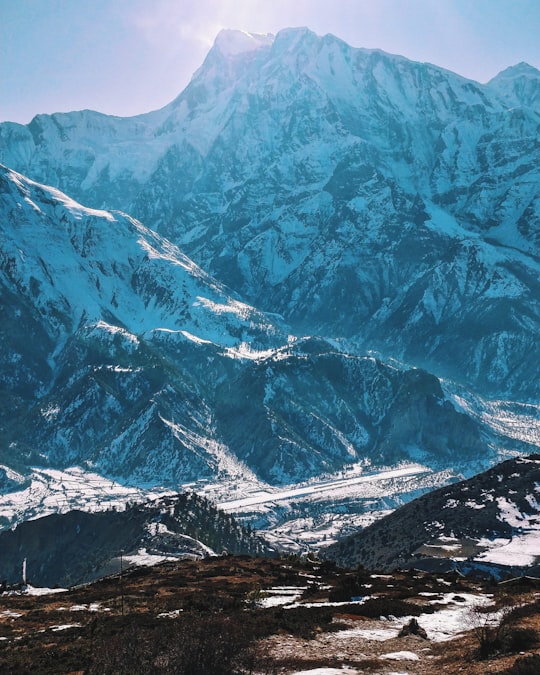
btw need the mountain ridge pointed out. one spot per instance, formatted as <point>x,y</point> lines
<point>491,518</point>
<point>77,547</point>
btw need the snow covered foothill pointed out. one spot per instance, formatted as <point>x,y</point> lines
<point>489,521</point>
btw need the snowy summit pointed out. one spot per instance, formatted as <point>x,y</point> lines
<point>232,42</point>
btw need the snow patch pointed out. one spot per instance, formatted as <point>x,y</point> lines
<point>33,590</point>
<point>53,491</point>
<point>344,670</point>
<point>401,656</point>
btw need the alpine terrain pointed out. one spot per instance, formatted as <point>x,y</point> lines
<point>325,299</point>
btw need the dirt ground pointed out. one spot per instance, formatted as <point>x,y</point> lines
<point>282,616</point>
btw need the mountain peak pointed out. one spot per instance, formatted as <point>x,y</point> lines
<point>521,69</point>
<point>231,42</point>
<point>518,85</point>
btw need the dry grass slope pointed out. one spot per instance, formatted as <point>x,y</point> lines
<point>220,616</point>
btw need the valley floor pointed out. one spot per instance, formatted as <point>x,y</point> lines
<point>296,517</point>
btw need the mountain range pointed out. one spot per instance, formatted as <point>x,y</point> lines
<point>122,355</point>
<point>331,258</point>
<point>489,524</point>
<point>356,193</point>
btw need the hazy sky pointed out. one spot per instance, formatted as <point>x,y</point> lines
<point>126,57</point>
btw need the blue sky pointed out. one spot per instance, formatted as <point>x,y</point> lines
<point>126,57</point>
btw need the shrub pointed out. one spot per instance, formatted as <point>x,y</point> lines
<point>300,621</point>
<point>488,630</point>
<point>349,585</point>
<point>500,635</point>
<point>519,639</point>
<point>527,609</point>
<point>197,646</point>
<point>525,665</point>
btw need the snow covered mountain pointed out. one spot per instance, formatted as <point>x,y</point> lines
<point>356,193</point>
<point>119,354</point>
<point>86,295</point>
<point>369,230</point>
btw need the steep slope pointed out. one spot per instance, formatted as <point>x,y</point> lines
<point>122,356</point>
<point>76,547</point>
<point>356,193</point>
<point>492,517</point>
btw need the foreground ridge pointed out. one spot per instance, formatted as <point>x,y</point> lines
<point>286,615</point>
